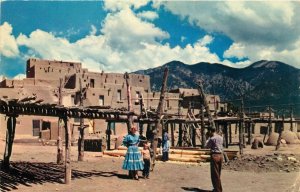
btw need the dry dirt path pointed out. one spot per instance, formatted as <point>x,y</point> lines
<point>105,174</point>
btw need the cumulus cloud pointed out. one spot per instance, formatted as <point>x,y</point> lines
<point>260,52</point>
<point>113,5</point>
<point>274,27</point>
<point>256,22</point>
<point>20,76</point>
<point>150,15</point>
<point>93,30</point>
<point>126,42</point>
<point>125,31</point>
<point>96,53</point>
<point>8,44</point>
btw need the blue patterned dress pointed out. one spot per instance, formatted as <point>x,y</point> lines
<point>133,159</point>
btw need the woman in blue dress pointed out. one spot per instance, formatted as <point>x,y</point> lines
<point>133,159</point>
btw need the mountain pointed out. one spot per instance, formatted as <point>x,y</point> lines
<point>261,83</point>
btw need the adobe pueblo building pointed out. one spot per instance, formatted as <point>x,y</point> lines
<point>69,85</point>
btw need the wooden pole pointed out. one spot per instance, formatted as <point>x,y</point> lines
<point>291,119</point>
<point>129,105</point>
<point>10,135</point>
<point>68,169</point>
<point>270,129</point>
<point>202,128</point>
<point>226,134</point>
<point>60,158</point>
<point>241,127</point>
<point>230,133</point>
<point>172,134</point>
<point>108,133</point>
<point>81,127</point>
<point>60,149</point>
<point>205,103</point>
<point>281,128</point>
<point>180,135</point>
<point>159,111</point>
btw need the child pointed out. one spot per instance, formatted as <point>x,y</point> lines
<point>147,158</point>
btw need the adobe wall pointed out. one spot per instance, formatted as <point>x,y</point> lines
<point>2,126</point>
<point>46,69</point>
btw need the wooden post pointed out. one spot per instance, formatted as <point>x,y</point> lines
<point>60,149</point>
<point>129,105</point>
<point>281,128</point>
<point>159,111</point>
<point>230,133</point>
<point>249,128</point>
<point>60,158</point>
<point>81,127</point>
<point>226,134</point>
<point>291,119</point>
<point>68,169</point>
<point>202,128</point>
<point>270,129</point>
<point>193,134</point>
<point>149,132</point>
<point>141,128</point>
<point>205,103</point>
<point>108,133</point>
<point>180,135</point>
<point>172,134</point>
<point>241,127</point>
<point>10,135</point>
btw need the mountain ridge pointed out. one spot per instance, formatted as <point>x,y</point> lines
<point>261,83</point>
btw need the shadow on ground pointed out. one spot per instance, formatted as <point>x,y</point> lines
<point>28,174</point>
<point>195,189</point>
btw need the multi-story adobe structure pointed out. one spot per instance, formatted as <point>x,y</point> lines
<point>44,77</point>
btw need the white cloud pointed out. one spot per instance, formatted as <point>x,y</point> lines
<point>93,30</point>
<point>260,30</point>
<point>8,44</point>
<point>259,52</point>
<point>264,23</point>
<point>19,76</point>
<point>182,38</point>
<point>116,5</point>
<point>96,52</point>
<point>236,50</point>
<point>207,39</point>
<point>150,15</point>
<point>126,43</point>
<point>2,77</point>
<point>125,31</point>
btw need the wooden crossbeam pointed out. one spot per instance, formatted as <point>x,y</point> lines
<point>58,111</point>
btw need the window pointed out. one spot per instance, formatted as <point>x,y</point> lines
<point>36,127</point>
<point>73,99</point>
<point>222,109</point>
<point>35,124</point>
<point>137,95</point>
<point>46,125</point>
<point>101,100</point>
<point>92,83</point>
<point>119,95</point>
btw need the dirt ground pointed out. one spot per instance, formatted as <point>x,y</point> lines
<point>34,169</point>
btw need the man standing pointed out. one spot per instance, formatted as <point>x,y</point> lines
<point>215,143</point>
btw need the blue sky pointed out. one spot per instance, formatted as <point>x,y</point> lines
<point>119,36</point>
